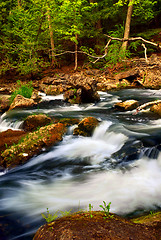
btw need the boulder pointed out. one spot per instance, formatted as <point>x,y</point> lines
<point>126,105</point>
<point>4,103</point>
<point>32,144</point>
<point>32,122</point>
<point>21,102</point>
<point>95,226</point>
<point>156,108</point>
<point>128,75</point>
<point>83,90</point>
<point>86,126</point>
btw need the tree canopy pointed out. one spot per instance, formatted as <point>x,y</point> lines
<point>34,32</point>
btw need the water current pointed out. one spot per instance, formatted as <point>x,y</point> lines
<point>120,163</point>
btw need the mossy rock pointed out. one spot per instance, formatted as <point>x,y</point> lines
<point>32,144</point>
<point>32,122</point>
<point>83,226</point>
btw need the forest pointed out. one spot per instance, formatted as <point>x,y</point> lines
<point>35,34</point>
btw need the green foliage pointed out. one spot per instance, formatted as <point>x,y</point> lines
<point>25,36</point>
<point>22,89</point>
<point>90,210</point>
<point>49,217</point>
<point>106,209</point>
<point>115,52</point>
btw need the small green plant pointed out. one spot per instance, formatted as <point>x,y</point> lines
<point>65,213</point>
<point>90,210</point>
<point>22,89</point>
<point>106,209</point>
<point>49,218</point>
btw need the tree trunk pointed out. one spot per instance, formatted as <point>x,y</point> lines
<point>19,3</point>
<point>76,54</point>
<point>51,39</point>
<point>127,25</point>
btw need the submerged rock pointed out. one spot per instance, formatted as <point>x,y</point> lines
<point>32,144</point>
<point>32,122</point>
<point>126,105</point>
<point>86,126</point>
<point>95,226</point>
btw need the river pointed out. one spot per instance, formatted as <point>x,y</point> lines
<point>120,163</point>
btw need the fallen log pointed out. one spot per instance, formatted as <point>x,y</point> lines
<point>146,105</point>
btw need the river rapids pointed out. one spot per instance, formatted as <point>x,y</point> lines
<point>120,163</point>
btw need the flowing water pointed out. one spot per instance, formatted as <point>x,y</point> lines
<point>120,163</point>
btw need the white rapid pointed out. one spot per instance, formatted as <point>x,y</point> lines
<point>138,188</point>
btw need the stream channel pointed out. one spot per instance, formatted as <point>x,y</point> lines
<point>120,163</point>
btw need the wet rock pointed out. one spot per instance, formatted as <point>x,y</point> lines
<point>21,102</point>
<point>32,122</point>
<point>126,105</point>
<point>36,97</point>
<point>156,108</point>
<point>4,103</point>
<point>82,226</point>
<point>86,126</point>
<point>32,144</point>
<point>69,121</point>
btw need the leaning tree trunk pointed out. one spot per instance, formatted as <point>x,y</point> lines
<point>19,3</point>
<point>127,25</point>
<point>76,54</point>
<point>51,39</point>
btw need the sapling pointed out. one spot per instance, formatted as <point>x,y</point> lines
<point>106,209</point>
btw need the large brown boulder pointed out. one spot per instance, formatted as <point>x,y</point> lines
<point>95,226</point>
<point>129,75</point>
<point>156,108</point>
<point>21,102</point>
<point>83,90</point>
<point>32,144</point>
<point>86,126</point>
<point>126,105</point>
<point>32,122</point>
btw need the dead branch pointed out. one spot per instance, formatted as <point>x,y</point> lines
<point>146,105</point>
<point>134,39</point>
<point>97,58</point>
<point>145,52</point>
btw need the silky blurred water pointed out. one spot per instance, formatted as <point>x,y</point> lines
<point>120,163</point>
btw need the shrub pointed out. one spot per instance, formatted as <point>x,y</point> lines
<point>22,89</point>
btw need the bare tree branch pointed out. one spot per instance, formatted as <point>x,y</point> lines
<point>134,39</point>
<point>146,105</point>
<point>97,58</point>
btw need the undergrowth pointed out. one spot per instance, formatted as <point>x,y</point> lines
<point>24,90</point>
